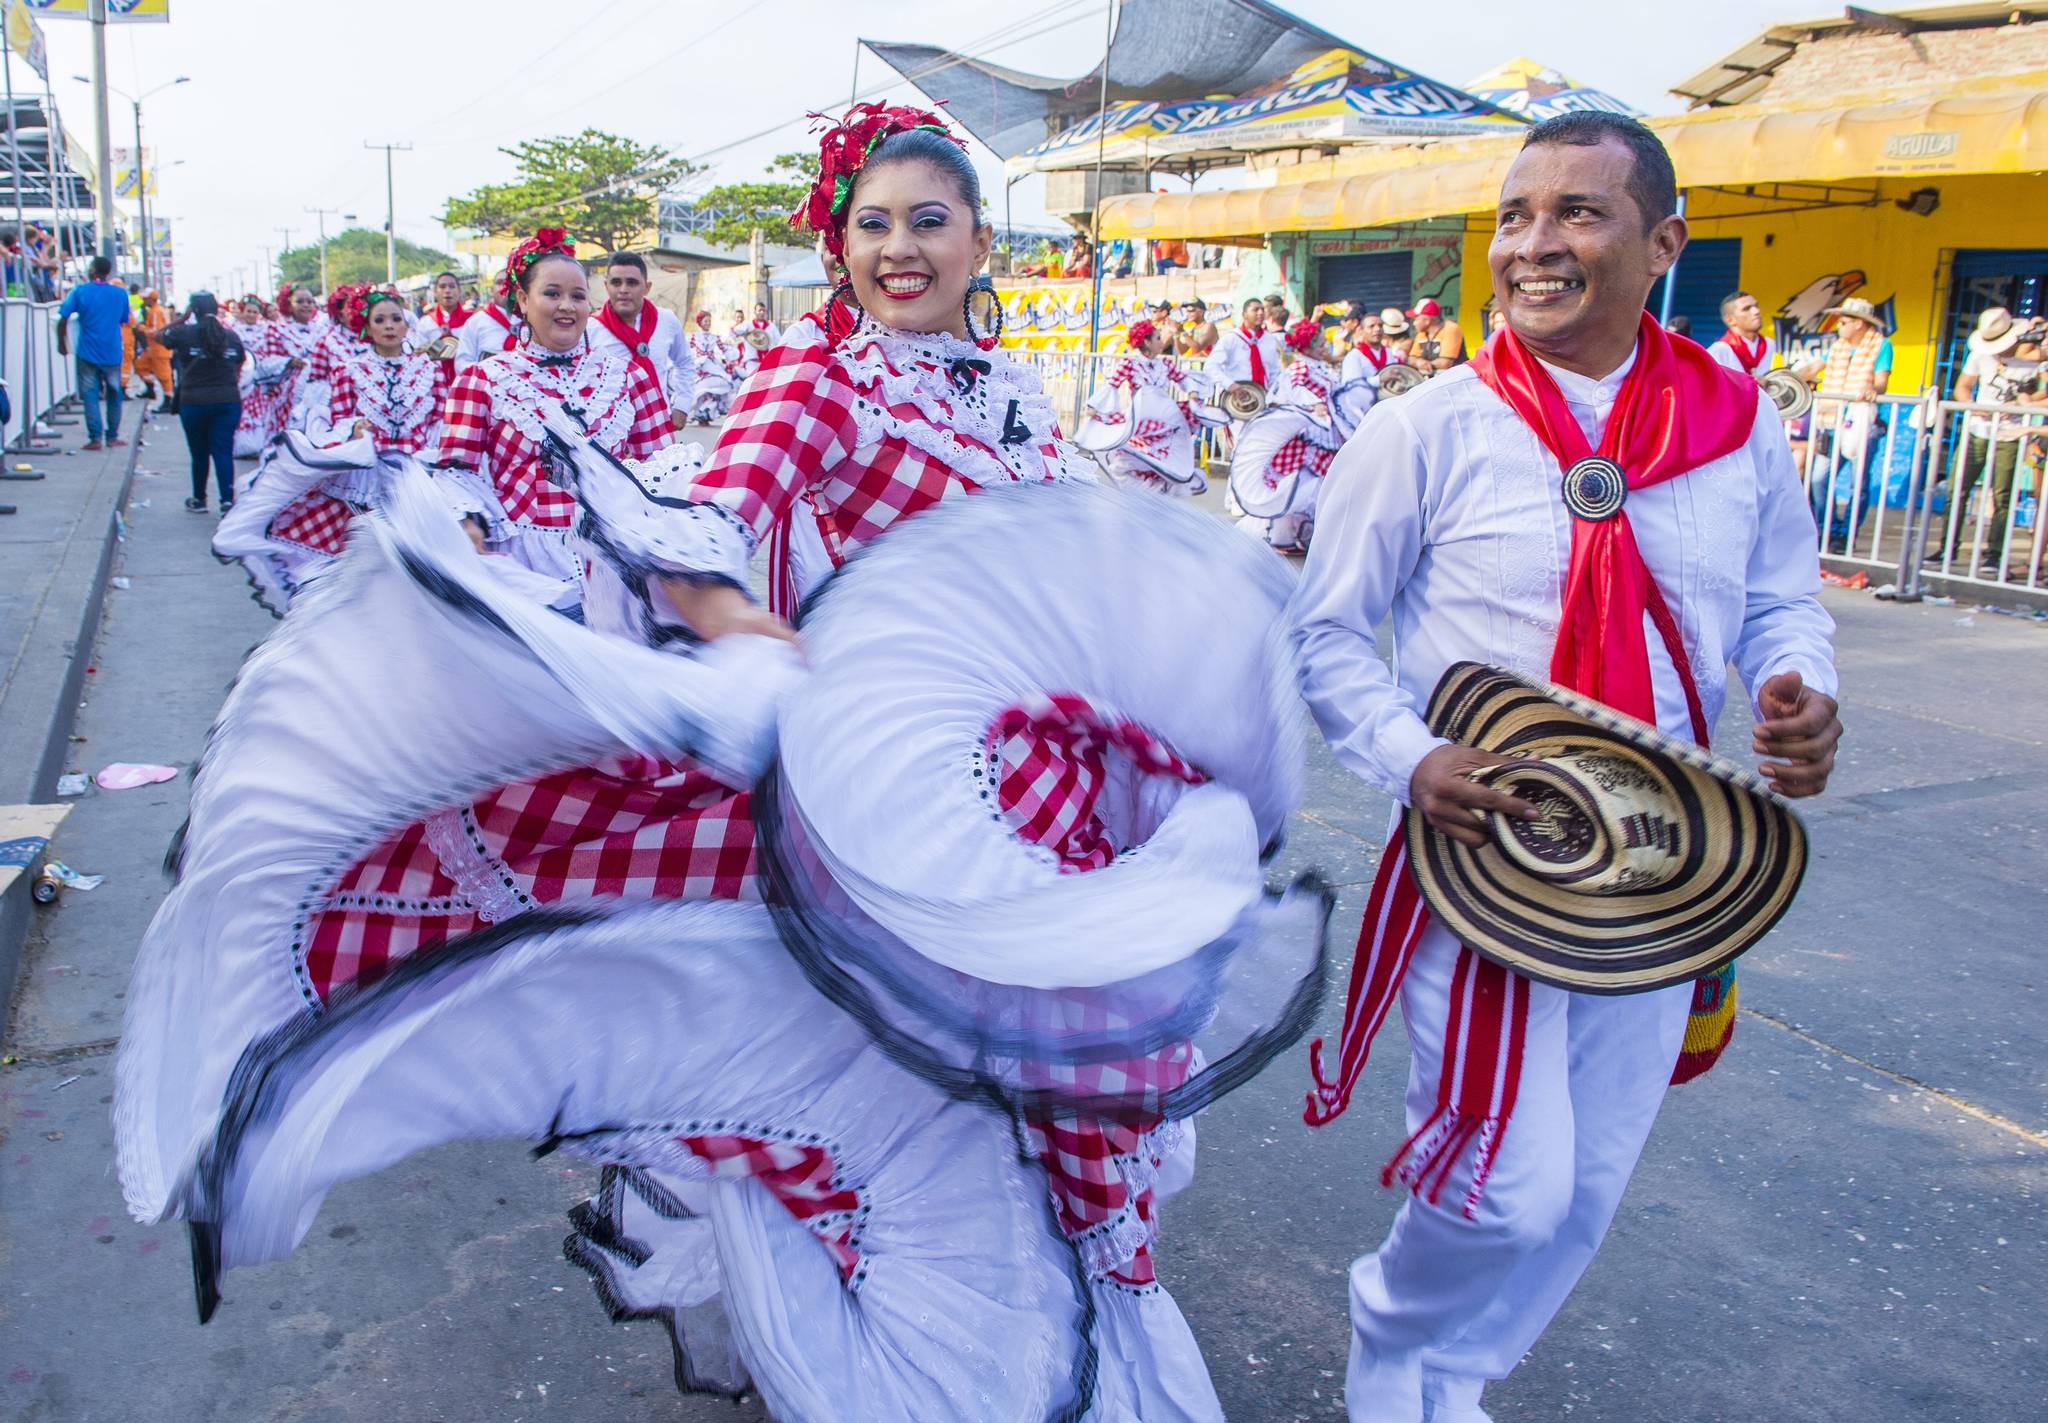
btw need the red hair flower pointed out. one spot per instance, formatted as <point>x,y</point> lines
<point>545,242</point>
<point>1302,334</point>
<point>842,151</point>
<point>1139,334</point>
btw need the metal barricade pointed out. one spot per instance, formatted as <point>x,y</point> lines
<point>1884,479</point>
<point>38,379</point>
<point>1975,503</point>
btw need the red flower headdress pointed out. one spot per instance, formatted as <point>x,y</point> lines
<point>1140,333</point>
<point>337,299</point>
<point>251,299</point>
<point>546,242</point>
<point>355,308</point>
<point>284,296</point>
<point>842,152</point>
<point>1302,334</point>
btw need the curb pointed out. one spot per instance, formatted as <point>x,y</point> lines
<point>16,908</point>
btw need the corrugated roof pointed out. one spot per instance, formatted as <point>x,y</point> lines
<point>1739,77</point>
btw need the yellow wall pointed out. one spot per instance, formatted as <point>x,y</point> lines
<point>1797,262</point>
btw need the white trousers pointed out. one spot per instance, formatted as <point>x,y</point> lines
<point>1448,1303</point>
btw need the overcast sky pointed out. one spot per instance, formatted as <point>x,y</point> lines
<point>283,95</point>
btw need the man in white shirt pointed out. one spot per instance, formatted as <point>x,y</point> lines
<point>1447,511</point>
<point>630,325</point>
<point>490,328</point>
<point>1743,346</point>
<point>1369,353</point>
<point>1245,354</point>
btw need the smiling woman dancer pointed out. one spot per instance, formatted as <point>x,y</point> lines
<point>294,517</point>
<point>908,1185</point>
<point>493,431</point>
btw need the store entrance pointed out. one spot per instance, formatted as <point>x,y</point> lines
<point>2015,278</point>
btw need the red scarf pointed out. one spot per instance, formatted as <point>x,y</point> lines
<point>1750,359</point>
<point>1600,652</point>
<point>1258,357</point>
<point>452,323</point>
<point>511,336</point>
<point>634,338</point>
<point>1378,356</point>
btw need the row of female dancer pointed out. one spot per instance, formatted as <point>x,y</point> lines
<point>883,981</point>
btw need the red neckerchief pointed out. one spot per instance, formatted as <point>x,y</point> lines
<point>1600,648</point>
<point>1378,362</point>
<point>1750,359</point>
<point>634,338</point>
<point>455,322</point>
<point>1258,357</point>
<point>1677,410</point>
<point>511,342</point>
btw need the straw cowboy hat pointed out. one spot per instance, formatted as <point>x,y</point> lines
<point>1858,308</point>
<point>1653,861</point>
<point>1996,333</point>
<point>1394,321</point>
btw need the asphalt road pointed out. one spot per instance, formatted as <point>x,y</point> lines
<point>1844,1221</point>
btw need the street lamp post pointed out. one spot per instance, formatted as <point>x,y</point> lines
<point>101,89</point>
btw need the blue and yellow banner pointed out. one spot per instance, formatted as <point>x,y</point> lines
<point>1343,95</point>
<point>119,12</point>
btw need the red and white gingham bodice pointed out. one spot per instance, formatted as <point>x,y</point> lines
<point>401,396</point>
<point>875,429</point>
<point>493,421</point>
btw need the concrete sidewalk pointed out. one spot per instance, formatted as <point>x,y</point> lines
<point>56,553</point>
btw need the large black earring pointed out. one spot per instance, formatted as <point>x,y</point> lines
<point>842,295</point>
<point>976,288</point>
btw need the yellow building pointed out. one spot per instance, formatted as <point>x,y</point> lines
<point>1897,158</point>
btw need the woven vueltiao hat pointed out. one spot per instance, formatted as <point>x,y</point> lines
<point>1654,863</point>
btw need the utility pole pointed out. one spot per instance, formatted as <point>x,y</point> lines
<point>96,12</point>
<point>286,232</point>
<point>321,215</point>
<point>390,209</point>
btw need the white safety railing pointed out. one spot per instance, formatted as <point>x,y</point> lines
<point>37,377</point>
<point>1909,487</point>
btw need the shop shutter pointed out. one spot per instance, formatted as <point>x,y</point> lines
<point>1709,269</point>
<point>1379,279</point>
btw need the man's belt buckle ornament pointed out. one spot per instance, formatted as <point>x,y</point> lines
<point>1595,489</point>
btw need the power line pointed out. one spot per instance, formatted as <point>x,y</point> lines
<point>1004,39</point>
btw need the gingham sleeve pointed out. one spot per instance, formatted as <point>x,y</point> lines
<point>793,421</point>
<point>341,401</point>
<point>466,421</point>
<point>652,431</point>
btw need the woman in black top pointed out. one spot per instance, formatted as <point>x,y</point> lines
<point>210,359</point>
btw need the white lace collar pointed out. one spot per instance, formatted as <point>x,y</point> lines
<point>595,384</point>
<point>955,388</point>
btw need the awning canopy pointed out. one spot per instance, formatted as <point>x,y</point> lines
<point>1163,51</point>
<point>807,271</point>
<point>1341,96</point>
<point>1536,91</point>
<point>1951,133</point>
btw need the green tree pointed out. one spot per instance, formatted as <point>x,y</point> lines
<point>357,255</point>
<point>737,210</point>
<point>599,186</point>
